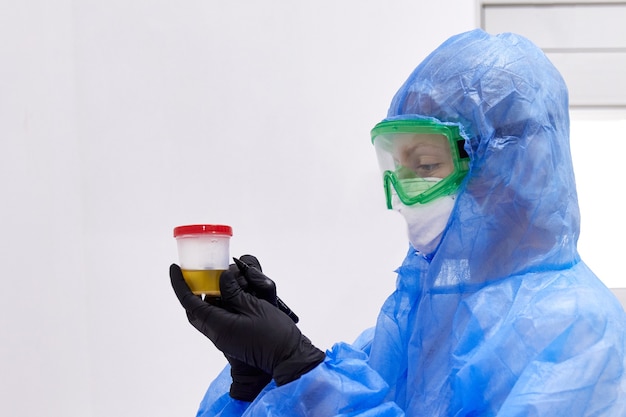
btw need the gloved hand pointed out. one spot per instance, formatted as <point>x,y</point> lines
<point>248,381</point>
<point>249,329</point>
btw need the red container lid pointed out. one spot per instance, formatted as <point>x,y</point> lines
<point>203,229</point>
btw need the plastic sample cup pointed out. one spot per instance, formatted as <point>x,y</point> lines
<point>203,253</point>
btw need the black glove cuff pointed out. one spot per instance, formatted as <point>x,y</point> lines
<point>246,388</point>
<point>301,361</point>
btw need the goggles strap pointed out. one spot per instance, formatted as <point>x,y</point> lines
<point>460,145</point>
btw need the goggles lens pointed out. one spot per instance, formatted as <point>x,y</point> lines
<point>421,159</point>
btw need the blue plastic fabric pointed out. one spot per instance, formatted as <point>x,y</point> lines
<point>504,319</point>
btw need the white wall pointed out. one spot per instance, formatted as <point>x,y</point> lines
<point>598,151</point>
<point>120,120</point>
<point>45,305</point>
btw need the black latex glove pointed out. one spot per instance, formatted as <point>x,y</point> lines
<point>248,381</point>
<point>259,285</point>
<point>249,329</point>
<point>252,280</point>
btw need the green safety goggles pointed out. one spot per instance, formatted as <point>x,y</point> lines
<point>421,159</point>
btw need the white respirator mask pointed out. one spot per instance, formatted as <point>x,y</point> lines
<point>426,222</point>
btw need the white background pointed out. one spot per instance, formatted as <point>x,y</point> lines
<point>122,119</point>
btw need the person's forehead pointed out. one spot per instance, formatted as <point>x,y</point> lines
<point>421,141</point>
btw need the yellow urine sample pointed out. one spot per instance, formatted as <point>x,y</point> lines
<point>205,281</point>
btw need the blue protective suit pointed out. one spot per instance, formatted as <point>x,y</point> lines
<point>504,319</point>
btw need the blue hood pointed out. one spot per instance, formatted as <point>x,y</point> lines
<point>518,210</point>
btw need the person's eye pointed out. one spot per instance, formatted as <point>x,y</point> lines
<point>425,170</point>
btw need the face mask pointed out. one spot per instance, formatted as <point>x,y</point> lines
<point>426,222</point>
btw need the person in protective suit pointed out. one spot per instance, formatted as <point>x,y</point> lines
<point>494,312</point>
